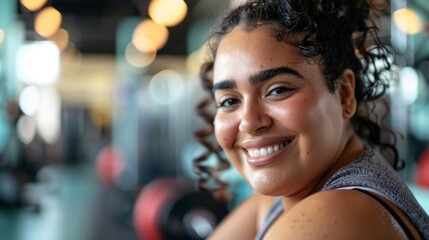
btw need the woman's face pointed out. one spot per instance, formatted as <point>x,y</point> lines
<point>276,120</point>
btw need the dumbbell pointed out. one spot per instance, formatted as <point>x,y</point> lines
<point>172,208</point>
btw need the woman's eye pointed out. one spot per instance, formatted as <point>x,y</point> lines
<point>227,102</point>
<point>279,91</point>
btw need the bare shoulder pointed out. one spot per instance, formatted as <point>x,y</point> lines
<point>244,221</point>
<point>336,214</point>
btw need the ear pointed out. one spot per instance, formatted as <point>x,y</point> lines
<point>346,92</point>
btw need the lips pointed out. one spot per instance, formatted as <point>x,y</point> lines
<point>258,156</point>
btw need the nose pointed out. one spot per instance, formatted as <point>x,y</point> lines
<point>254,118</point>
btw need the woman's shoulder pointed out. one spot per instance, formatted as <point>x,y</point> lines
<point>245,220</point>
<point>336,214</point>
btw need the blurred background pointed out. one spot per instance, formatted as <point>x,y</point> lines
<point>97,102</point>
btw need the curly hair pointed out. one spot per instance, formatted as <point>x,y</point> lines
<point>338,34</point>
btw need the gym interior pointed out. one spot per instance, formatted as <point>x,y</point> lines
<point>96,130</point>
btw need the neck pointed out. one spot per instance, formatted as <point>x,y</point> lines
<point>352,149</point>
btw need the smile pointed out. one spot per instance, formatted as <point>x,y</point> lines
<point>264,151</point>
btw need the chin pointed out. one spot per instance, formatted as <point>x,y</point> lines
<point>267,189</point>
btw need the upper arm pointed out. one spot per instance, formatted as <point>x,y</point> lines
<point>336,214</point>
<point>243,221</point>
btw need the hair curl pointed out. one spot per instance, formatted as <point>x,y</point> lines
<point>338,34</point>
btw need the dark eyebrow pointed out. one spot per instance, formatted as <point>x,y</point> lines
<point>270,73</point>
<point>226,84</point>
<point>257,78</point>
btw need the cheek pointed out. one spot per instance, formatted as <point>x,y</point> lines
<point>295,115</point>
<point>225,131</point>
<point>306,115</point>
<point>318,120</point>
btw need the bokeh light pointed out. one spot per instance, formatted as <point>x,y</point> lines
<point>48,118</point>
<point>419,121</point>
<point>166,87</point>
<point>407,20</point>
<point>409,86</point>
<point>168,12</point>
<point>138,58</point>
<point>29,100</point>
<point>38,63</point>
<point>151,30</point>
<point>47,22</point>
<point>26,129</point>
<point>33,5</point>
<point>61,38</point>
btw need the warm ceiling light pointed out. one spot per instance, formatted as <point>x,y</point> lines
<point>144,45</point>
<point>61,38</point>
<point>33,5</point>
<point>407,21</point>
<point>168,12</point>
<point>138,58</point>
<point>47,22</point>
<point>151,30</point>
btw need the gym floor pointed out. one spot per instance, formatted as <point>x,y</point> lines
<point>72,206</point>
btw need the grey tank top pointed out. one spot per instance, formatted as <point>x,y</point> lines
<point>369,172</point>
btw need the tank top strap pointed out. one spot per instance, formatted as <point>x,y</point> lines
<point>275,211</point>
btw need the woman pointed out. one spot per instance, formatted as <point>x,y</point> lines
<point>294,84</point>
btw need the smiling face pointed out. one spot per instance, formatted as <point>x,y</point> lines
<point>276,120</point>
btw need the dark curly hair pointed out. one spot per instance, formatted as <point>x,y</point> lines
<point>337,34</point>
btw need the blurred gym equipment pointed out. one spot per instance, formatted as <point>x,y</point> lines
<point>172,208</point>
<point>423,169</point>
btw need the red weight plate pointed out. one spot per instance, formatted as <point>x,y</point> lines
<point>109,165</point>
<point>423,169</point>
<point>149,206</point>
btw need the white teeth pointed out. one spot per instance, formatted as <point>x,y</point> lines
<point>256,153</point>
<point>265,151</point>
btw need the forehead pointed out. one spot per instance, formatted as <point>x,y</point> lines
<point>248,52</point>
